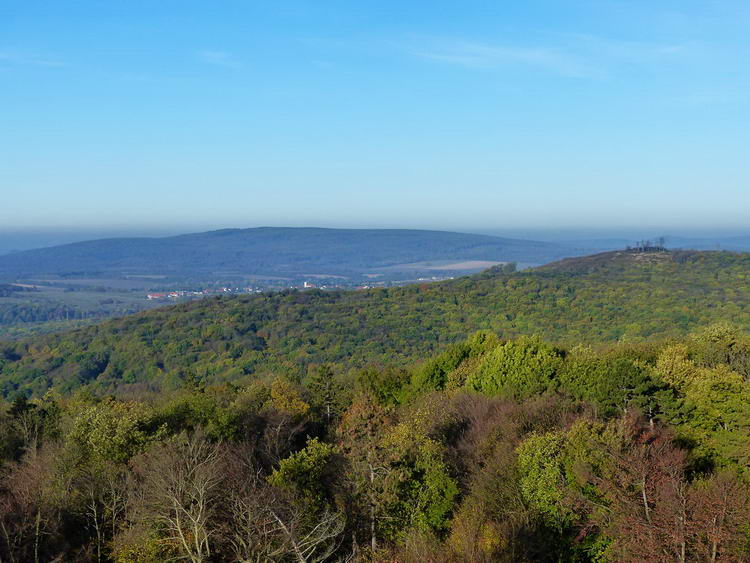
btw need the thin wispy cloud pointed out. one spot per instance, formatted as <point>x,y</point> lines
<point>219,58</point>
<point>16,58</point>
<point>616,50</point>
<point>707,98</point>
<point>569,55</point>
<point>478,55</point>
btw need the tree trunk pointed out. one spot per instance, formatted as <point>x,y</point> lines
<point>8,542</point>
<point>645,500</point>
<point>97,528</point>
<point>373,540</point>
<point>37,526</point>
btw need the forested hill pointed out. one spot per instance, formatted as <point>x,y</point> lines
<point>609,297</point>
<point>270,251</point>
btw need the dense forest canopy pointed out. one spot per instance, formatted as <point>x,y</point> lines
<point>620,296</point>
<point>493,450</point>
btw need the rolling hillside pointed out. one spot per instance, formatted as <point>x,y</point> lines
<point>603,298</point>
<point>85,282</point>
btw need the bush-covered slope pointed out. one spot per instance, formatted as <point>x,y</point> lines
<point>602,298</point>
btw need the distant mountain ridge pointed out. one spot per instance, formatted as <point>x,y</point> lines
<point>271,251</point>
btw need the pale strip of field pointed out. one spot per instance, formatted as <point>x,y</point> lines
<point>446,265</point>
<point>468,265</point>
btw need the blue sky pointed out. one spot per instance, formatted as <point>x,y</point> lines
<point>184,115</point>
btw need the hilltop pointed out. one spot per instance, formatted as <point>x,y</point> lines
<point>613,260</point>
<point>234,338</point>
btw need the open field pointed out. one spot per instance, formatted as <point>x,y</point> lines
<point>443,265</point>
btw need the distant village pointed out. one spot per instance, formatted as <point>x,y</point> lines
<point>194,294</point>
<point>179,294</point>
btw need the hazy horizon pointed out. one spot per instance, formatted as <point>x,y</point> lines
<point>29,238</point>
